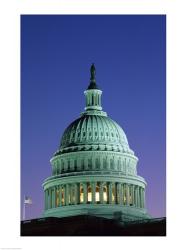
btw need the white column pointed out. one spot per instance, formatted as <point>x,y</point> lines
<point>71,193</point>
<point>144,197</point>
<point>118,192</point>
<point>67,194</point>
<point>60,196</point>
<point>107,163</point>
<point>127,194</point>
<point>50,197</point>
<point>138,196</point>
<point>85,192</point>
<point>76,193</point>
<point>132,195</point>
<point>141,197</point>
<point>121,194</point>
<point>48,204</point>
<point>46,199</point>
<point>110,192</point>
<point>86,163</point>
<point>101,160</point>
<point>101,192</point>
<point>93,162</point>
<point>93,185</point>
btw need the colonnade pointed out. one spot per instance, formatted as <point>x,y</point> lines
<point>101,162</point>
<point>95,193</point>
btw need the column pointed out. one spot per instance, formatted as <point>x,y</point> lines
<point>60,196</point>
<point>141,197</point>
<point>144,197</point>
<point>101,192</point>
<point>86,164</point>
<point>93,163</point>
<point>132,195</point>
<point>49,198</point>
<point>110,192</point>
<point>64,194</point>
<point>127,194</point>
<point>54,197</point>
<point>121,193</point>
<point>45,199</point>
<point>107,163</point>
<point>93,192</point>
<point>67,195</point>
<point>138,197</point>
<point>101,159</point>
<point>141,189</point>
<point>117,193</point>
<point>76,193</point>
<point>120,196</point>
<point>124,193</point>
<point>85,192</point>
<point>71,193</point>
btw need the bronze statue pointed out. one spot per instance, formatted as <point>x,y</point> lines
<point>92,71</point>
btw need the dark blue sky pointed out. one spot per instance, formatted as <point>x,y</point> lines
<point>130,57</point>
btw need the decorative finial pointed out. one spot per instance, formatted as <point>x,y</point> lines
<point>93,72</point>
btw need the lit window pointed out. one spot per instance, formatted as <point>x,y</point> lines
<point>81,194</point>
<point>97,194</point>
<point>89,193</point>
<point>63,200</point>
<point>105,193</point>
<point>113,192</point>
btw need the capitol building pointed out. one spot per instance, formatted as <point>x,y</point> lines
<point>94,170</point>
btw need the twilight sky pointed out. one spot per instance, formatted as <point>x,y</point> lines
<point>130,57</point>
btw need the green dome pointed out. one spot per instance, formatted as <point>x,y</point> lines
<point>94,171</point>
<point>93,129</point>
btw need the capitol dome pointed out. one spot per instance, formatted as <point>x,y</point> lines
<point>94,171</point>
<point>94,130</point>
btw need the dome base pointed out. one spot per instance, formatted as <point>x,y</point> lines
<point>125,213</point>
